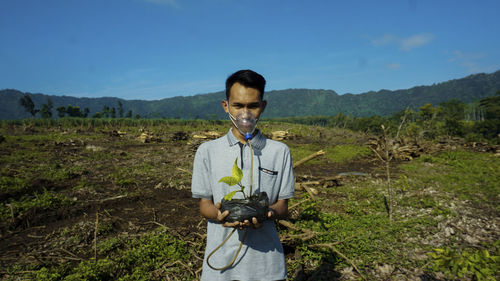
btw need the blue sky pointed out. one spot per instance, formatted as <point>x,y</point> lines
<point>154,49</point>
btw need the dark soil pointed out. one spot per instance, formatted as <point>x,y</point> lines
<point>37,235</point>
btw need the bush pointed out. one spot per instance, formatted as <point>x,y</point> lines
<point>479,264</point>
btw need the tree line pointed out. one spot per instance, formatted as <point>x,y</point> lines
<point>476,121</point>
<point>45,111</point>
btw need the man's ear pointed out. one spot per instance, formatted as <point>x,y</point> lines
<point>263,105</point>
<point>224,106</point>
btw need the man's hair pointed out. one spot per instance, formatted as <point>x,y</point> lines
<point>247,78</point>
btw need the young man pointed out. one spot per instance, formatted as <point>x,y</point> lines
<point>261,256</point>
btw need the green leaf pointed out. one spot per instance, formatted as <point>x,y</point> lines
<point>237,172</point>
<point>230,195</point>
<point>486,254</point>
<point>229,181</point>
<point>237,175</point>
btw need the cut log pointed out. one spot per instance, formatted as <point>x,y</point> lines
<point>312,156</point>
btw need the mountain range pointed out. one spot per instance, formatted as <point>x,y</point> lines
<point>281,103</point>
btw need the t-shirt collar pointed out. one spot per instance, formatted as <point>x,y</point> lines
<point>258,140</point>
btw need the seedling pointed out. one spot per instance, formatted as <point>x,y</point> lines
<point>235,179</point>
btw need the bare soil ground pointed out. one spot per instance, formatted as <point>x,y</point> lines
<point>158,199</point>
<point>122,206</point>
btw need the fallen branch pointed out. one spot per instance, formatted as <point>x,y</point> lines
<point>184,170</point>
<point>11,212</point>
<point>310,193</point>
<point>112,198</point>
<point>331,246</point>
<point>302,161</point>
<point>298,203</point>
<point>70,253</point>
<point>35,236</point>
<point>95,234</point>
<point>306,233</point>
<point>301,185</point>
<point>159,224</point>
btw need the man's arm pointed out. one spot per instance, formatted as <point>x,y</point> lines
<point>278,210</point>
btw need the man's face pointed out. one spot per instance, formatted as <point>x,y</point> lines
<point>244,99</point>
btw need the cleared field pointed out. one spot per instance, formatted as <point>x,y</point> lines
<point>112,201</point>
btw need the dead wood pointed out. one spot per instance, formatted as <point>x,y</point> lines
<point>95,234</point>
<point>313,197</point>
<point>309,234</point>
<point>298,203</point>
<point>312,156</point>
<point>184,170</point>
<point>281,135</point>
<point>331,246</point>
<point>304,236</point>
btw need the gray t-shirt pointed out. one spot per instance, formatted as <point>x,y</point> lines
<point>261,257</point>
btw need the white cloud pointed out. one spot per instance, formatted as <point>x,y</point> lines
<point>415,41</point>
<point>172,3</point>
<point>406,43</point>
<point>470,61</point>
<point>384,40</point>
<point>394,66</point>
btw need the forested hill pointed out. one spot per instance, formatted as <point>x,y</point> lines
<point>282,103</point>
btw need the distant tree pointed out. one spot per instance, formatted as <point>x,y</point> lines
<point>427,120</point>
<point>490,127</point>
<point>28,104</point>
<point>97,115</point>
<point>452,109</point>
<point>120,109</point>
<point>427,112</point>
<point>474,112</point>
<point>61,111</point>
<point>46,111</point>
<point>105,111</point>
<point>129,114</point>
<point>453,112</point>
<point>74,111</point>
<point>491,106</point>
<point>454,127</point>
<point>86,112</point>
<point>113,112</point>
<point>137,116</point>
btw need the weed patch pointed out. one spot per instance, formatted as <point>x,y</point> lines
<point>468,175</point>
<point>156,256</point>
<point>43,201</point>
<point>347,152</point>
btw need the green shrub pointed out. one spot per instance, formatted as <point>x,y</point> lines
<point>347,152</point>
<point>45,200</point>
<point>478,264</point>
<point>126,259</point>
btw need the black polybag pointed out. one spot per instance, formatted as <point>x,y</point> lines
<point>245,209</point>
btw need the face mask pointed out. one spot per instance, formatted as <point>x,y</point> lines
<point>245,122</point>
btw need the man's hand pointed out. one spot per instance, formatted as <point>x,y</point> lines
<point>278,210</point>
<point>221,217</point>
<point>255,222</point>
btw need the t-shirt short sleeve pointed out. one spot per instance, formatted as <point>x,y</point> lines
<point>200,184</point>
<point>287,188</point>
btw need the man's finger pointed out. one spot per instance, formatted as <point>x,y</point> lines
<point>256,223</point>
<point>231,224</point>
<point>270,214</point>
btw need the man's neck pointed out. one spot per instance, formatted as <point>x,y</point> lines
<point>238,135</point>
